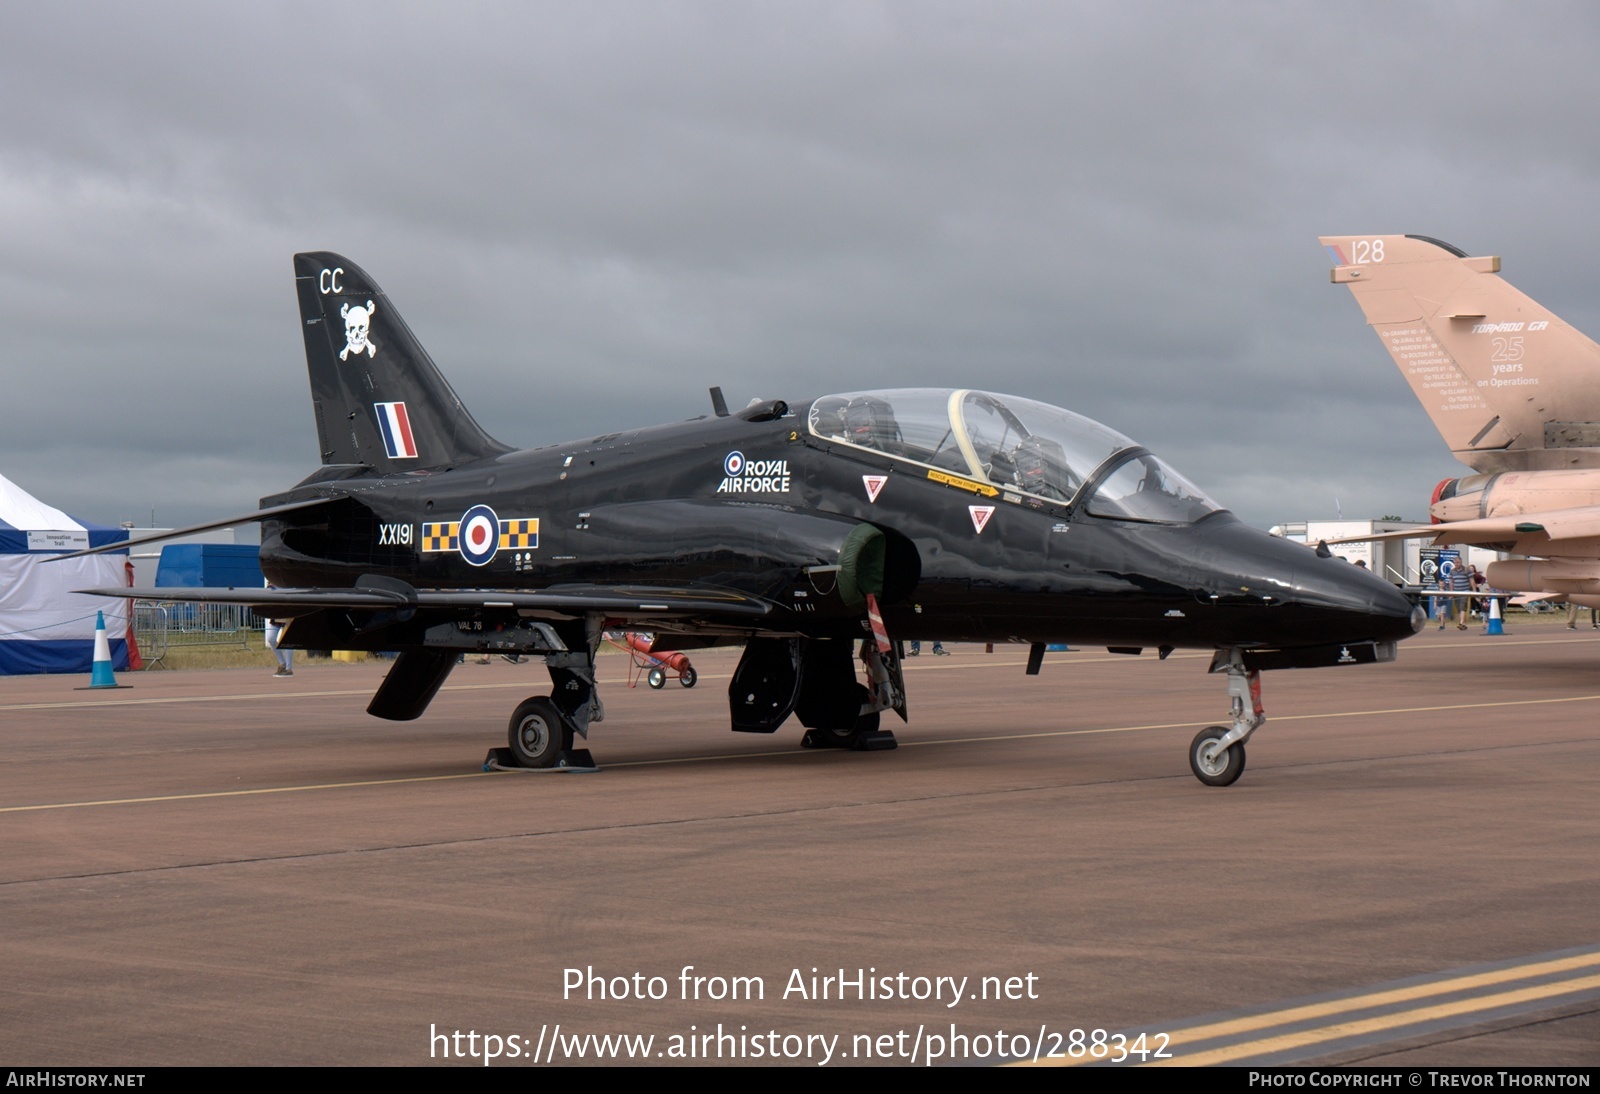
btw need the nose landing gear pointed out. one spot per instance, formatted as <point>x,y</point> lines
<point>1216,755</point>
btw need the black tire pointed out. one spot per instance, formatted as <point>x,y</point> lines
<point>657,678</point>
<point>537,733</point>
<point>865,723</point>
<point>687,677</point>
<point>1225,769</point>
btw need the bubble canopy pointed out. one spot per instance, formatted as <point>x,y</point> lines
<point>1017,445</point>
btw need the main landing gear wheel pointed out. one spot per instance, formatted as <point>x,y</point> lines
<point>1221,769</point>
<point>687,678</point>
<point>538,733</point>
<point>656,678</point>
<point>864,726</point>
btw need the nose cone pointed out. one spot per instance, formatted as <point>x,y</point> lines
<point>1311,599</point>
<point>1334,593</point>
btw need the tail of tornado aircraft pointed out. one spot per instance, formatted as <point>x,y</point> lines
<point>380,401</point>
<point>1509,386</point>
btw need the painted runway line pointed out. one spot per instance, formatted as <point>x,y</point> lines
<point>722,757</point>
<point>1297,1030</point>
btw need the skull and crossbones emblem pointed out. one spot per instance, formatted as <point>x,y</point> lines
<point>357,322</point>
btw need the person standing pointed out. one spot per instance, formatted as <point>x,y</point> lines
<point>1461,588</point>
<point>1439,604</point>
<point>274,631</point>
<point>285,657</point>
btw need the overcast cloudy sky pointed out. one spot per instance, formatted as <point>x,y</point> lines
<point>591,212</point>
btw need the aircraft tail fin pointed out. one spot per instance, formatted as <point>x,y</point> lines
<point>1509,386</point>
<point>379,399</point>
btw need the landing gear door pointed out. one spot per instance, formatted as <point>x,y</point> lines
<point>766,685</point>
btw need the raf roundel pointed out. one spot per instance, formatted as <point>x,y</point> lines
<point>480,535</point>
<point>733,464</point>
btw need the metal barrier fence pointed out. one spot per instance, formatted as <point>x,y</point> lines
<point>160,626</point>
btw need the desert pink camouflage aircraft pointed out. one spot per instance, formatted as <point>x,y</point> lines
<point>1514,392</point>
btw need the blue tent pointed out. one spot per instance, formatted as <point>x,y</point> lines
<point>44,625</point>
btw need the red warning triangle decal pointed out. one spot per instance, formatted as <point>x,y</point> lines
<point>874,483</point>
<point>980,516</point>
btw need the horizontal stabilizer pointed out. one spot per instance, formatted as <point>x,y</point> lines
<point>177,533</point>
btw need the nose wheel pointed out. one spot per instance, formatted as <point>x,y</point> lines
<point>1213,762</point>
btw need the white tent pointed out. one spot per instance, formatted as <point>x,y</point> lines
<point>44,625</point>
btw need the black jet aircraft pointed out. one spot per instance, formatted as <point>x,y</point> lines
<point>817,533</point>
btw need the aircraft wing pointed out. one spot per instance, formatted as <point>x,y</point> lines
<point>1525,534</point>
<point>570,601</point>
<point>1399,533</point>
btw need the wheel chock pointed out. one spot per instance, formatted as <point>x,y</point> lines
<point>571,761</point>
<point>877,741</point>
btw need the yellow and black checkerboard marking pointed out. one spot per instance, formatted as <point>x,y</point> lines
<point>442,536</point>
<point>519,533</point>
<point>445,535</point>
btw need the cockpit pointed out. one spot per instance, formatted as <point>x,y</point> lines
<point>1019,446</point>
